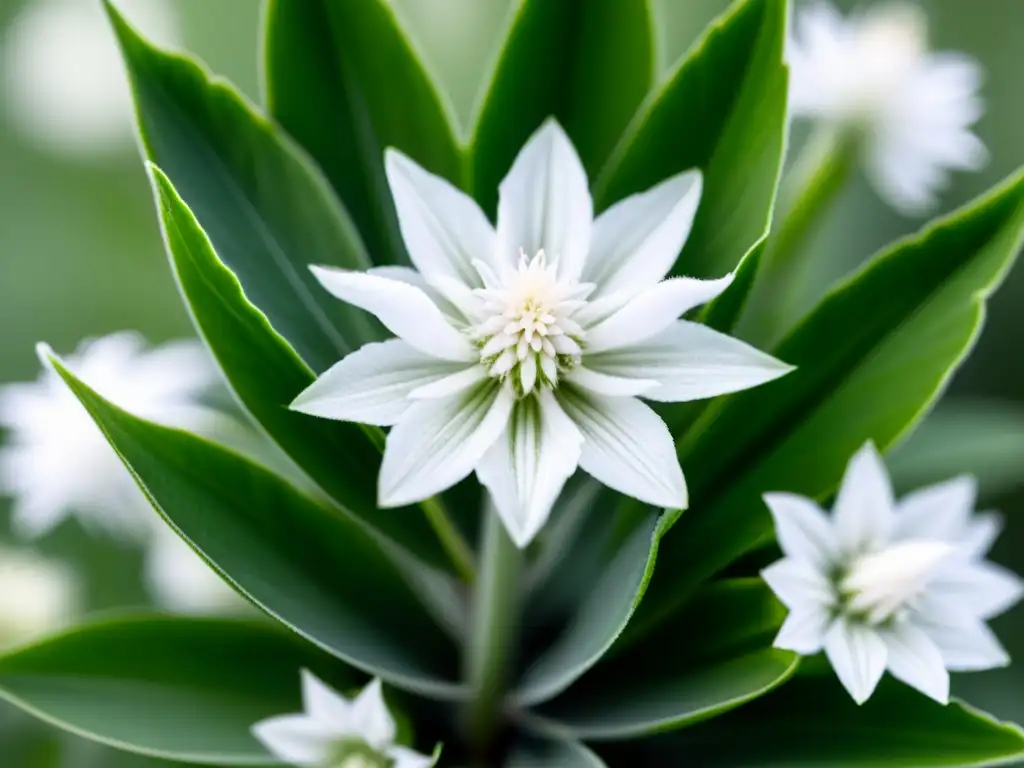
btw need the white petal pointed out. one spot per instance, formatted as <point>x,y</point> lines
<point>802,528</point>
<point>404,757</point>
<point>799,585</point>
<point>444,230</point>
<point>965,641</point>
<point>611,385</point>
<point>637,240</point>
<point>940,511</point>
<point>652,311</point>
<point>982,531</point>
<point>403,308</point>
<point>295,739</point>
<point>983,588</point>
<point>412,277</point>
<point>627,447</point>
<point>451,384</point>
<point>528,465</point>
<point>323,704</point>
<point>863,514</point>
<point>373,384</point>
<point>544,203</point>
<point>915,659</point>
<point>804,631</point>
<point>439,442</point>
<point>858,656</point>
<point>691,362</point>
<point>370,717</point>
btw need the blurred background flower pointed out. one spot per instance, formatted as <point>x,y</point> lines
<point>80,252</point>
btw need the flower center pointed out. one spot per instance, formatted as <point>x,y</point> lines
<point>526,333</point>
<point>356,753</point>
<point>879,585</point>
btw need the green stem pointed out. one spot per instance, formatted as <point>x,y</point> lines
<point>810,187</point>
<point>452,541</point>
<point>491,648</point>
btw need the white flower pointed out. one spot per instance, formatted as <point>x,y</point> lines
<point>882,584</point>
<point>521,349</point>
<point>57,462</point>
<point>873,73</point>
<point>180,580</point>
<point>63,79</point>
<point>37,596</point>
<point>336,732</point>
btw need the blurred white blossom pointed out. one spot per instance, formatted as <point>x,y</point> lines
<point>64,83</point>
<point>912,108</point>
<point>37,596</point>
<point>180,580</point>
<point>882,584</point>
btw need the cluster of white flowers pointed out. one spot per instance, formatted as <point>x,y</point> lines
<point>57,463</point>
<point>872,73</point>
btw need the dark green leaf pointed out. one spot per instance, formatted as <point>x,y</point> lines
<point>342,77</point>
<point>589,63</point>
<point>981,438</point>
<point>182,689</point>
<point>304,564</point>
<point>531,752</point>
<point>711,657</point>
<point>813,722</point>
<point>266,374</point>
<point>723,109</point>
<point>267,209</point>
<point>871,359</point>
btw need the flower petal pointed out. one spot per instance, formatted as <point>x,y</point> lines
<point>652,311</point>
<point>606,384</point>
<point>405,309</point>
<point>451,384</point>
<point>627,447</point>
<point>803,529</point>
<point>964,640</point>
<point>373,385</point>
<point>637,240</point>
<point>804,631</point>
<point>412,277</point>
<point>370,718</point>
<point>404,757</point>
<point>982,588</point>
<point>858,656</point>
<point>863,515</point>
<point>939,511</point>
<point>295,739</point>
<point>544,203</point>
<point>322,703</point>
<point>690,362</point>
<point>444,230</point>
<point>915,659</point>
<point>528,465</point>
<point>982,531</point>
<point>799,585</point>
<point>439,442</point>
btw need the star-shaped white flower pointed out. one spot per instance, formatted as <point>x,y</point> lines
<point>882,584</point>
<point>37,596</point>
<point>873,73</point>
<point>334,732</point>
<point>522,348</point>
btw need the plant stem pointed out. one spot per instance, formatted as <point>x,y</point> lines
<point>491,647</point>
<point>452,541</point>
<point>813,183</point>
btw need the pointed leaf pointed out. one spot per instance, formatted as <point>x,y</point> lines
<point>870,360</point>
<point>304,564</point>
<point>267,209</point>
<point>723,109</point>
<point>344,79</point>
<point>588,63</point>
<point>181,689</point>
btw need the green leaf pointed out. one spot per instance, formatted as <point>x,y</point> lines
<point>813,722</point>
<point>533,752</point>
<point>723,109</point>
<point>176,688</point>
<point>589,63</point>
<point>266,374</point>
<point>723,312</point>
<point>267,209</point>
<point>306,565</point>
<point>983,438</point>
<point>602,613</point>
<point>871,359</point>
<point>712,657</point>
<point>343,78</point>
